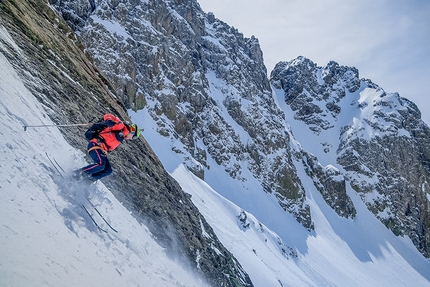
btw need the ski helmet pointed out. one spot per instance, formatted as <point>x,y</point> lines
<point>134,129</point>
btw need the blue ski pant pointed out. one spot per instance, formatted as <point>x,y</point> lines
<point>101,166</point>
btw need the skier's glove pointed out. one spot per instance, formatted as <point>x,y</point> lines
<point>119,136</point>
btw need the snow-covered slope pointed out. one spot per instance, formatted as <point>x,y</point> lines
<point>46,238</point>
<point>340,252</point>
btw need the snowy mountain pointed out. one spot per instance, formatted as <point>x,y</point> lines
<point>287,181</point>
<point>205,87</point>
<point>376,141</point>
<point>203,83</point>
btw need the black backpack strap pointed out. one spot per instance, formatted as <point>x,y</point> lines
<point>94,130</point>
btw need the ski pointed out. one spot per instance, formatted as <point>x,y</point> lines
<point>64,172</point>
<point>92,218</point>
<point>56,166</point>
<point>95,208</point>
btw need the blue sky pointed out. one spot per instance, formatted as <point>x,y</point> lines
<point>388,41</point>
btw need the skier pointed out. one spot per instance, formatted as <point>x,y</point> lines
<point>103,137</point>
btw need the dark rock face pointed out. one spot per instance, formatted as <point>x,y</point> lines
<point>399,165</point>
<point>330,182</point>
<point>56,70</point>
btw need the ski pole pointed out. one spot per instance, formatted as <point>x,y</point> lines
<point>68,125</point>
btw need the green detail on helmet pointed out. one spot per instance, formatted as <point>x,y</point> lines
<point>136,130</point>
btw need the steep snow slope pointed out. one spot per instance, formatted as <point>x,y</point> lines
<point>46,238</point>
<point>341,252</point>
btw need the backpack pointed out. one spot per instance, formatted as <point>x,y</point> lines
<point>108,120</point>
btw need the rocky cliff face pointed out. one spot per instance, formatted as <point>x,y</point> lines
<point>380,145</point>
<point>50,59</point>
<point>189,70</point>
<point>205,86</point>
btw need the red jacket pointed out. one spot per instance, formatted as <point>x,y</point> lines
<point>112,134</point>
